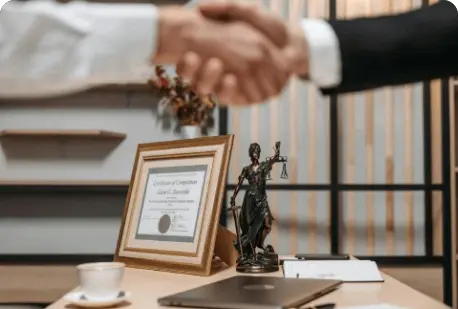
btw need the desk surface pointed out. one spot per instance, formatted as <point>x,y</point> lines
<point>146,286</point>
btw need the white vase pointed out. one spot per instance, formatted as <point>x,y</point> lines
<point>189,132</point>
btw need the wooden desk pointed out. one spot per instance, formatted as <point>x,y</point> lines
<point>147,286</point>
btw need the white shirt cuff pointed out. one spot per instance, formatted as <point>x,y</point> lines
<point>324,53</point>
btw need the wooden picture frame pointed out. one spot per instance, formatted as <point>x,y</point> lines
<point>172,210</point>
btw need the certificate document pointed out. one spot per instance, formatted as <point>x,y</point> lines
<point>171,203</point>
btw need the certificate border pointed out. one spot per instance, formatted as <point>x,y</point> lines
<point>191,155</point>
<point>203,267</point>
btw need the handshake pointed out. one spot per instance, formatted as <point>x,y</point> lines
<point>237,51</point>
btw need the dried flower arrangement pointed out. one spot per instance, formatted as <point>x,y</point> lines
<point>179,100</point>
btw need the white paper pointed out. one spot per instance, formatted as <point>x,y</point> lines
<point>347,271</point>
<point>377,306</point>
<point>176,196</point>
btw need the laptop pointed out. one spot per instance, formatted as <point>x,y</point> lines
<point>252,292</point>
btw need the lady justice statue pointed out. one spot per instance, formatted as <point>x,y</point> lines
<point>253,220</point>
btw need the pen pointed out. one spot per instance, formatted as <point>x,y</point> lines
<point>322,306</point>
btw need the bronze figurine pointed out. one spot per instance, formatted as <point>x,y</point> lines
<point>253,219</point>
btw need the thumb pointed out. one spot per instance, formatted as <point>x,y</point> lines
<point>222,11</point>
<point>265,22</point>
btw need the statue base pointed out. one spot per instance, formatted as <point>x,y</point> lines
<point>263,263</point>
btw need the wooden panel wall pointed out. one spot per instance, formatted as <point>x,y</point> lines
<point>299,118</point>
<point>381,141</point>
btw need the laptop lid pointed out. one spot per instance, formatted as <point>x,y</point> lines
<point>252,292</point>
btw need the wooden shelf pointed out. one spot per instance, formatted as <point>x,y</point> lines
<point>64,186</point>
<point>125,87</point>
<point>62,133</point>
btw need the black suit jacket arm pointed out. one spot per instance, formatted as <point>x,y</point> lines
<point>391,50</point>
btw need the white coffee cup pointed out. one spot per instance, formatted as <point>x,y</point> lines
<point>101,281</point>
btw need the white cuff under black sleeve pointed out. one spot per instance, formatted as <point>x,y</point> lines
<point>324,53</point>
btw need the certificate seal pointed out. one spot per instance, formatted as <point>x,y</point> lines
<point>164,224</point>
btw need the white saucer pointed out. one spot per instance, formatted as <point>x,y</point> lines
<point>78,299</point>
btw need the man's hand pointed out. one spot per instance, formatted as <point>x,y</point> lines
<point>249,65</point>
<point>173,22</point>
<point>290,40</point>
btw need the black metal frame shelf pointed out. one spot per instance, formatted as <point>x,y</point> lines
<point>72,259</point>
<point>122,189</point>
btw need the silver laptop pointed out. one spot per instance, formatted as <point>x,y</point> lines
<point>252,292</point>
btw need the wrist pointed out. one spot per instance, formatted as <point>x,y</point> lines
<point>298,52</point>
<point>173,22</point>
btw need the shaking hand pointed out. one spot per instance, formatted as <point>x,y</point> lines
<point>287,41</point>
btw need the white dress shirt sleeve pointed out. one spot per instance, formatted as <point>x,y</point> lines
<point>48,49</point>
<point>325,69</point>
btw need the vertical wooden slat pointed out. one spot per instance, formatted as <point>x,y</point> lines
<point>255,124</point>
<point>341,8</point>
<point>312,9</point>
<point>436,160</point>
<point>340,12</point>
<point>400,6</point>
<point>406,5</point>
<point>437,222</point>
<point>322,10</point>
<point>324,13</point>
<point>236,168</point>
<point>369,107</point>
<point>370,172</point>
<point>359,8</point>
<point>293,17</point>
<point>234,158</point>
<point>408,161</point>
<point>387,8</point>
<point>234,164</point>
<point>352,8</point>
<point>389,170</point>
<point>235,117</point>
<point>436,141</point>
<point>311,170</point>
<point>389,160</point>
<point>275,6</point>
<point>454,230</point>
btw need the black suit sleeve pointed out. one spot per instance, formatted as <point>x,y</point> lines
<point>391,50</point>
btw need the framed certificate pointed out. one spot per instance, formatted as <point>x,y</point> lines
<point>172,210</point>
